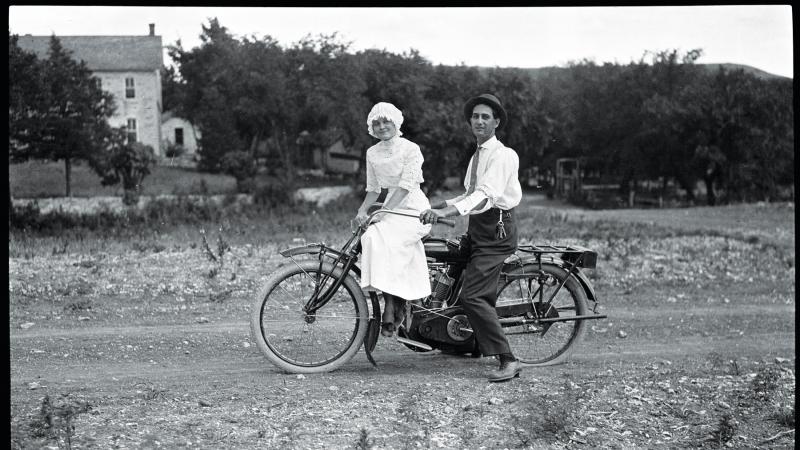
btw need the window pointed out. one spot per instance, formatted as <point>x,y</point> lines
<point>131,130</point>
<point>179,136</point>
<point>130,91</point>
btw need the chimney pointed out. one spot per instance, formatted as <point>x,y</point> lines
<point>152,29</point>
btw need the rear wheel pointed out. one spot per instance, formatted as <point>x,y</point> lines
<point>301,343</point>
<point>525,297</point>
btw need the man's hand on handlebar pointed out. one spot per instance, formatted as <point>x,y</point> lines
<point>431,216</point>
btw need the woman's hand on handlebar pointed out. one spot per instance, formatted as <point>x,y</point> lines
<point>361,218</point>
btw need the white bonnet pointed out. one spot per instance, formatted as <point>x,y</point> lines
<point>387,111</point>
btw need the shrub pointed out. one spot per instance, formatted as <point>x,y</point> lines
<point>274,193</point>
<point>127,163</point>
<point>174,150</point>
<point>240,165</point>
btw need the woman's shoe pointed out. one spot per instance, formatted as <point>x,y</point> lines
<point>387,329</point>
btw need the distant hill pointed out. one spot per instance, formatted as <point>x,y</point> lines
<point>544,71</point>
<point>748,69</point>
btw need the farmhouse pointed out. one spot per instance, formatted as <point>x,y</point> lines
<point>129,67</point>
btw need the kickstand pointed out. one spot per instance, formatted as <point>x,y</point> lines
<point>371,339</point>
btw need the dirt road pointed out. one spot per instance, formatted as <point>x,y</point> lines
<point>96,354</point>
<point>698,344</point>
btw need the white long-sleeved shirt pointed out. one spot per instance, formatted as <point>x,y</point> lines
<point>497,180</point>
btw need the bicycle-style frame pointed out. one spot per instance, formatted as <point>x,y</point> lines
<point>570,258</point>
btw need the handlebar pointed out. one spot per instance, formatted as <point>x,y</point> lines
<point>448,222</point>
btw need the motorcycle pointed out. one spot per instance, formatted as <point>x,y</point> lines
<point>312,316</point>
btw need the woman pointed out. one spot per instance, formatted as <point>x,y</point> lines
<point>392,255</point>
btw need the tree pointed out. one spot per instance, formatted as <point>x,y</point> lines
<point>67,120</point>
<point>442,133</point>
<point>26,100</point>
<point>211,84</point>
<point>244,93</point>
<point>25,103</point>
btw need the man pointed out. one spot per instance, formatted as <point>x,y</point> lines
<point>492,191</point>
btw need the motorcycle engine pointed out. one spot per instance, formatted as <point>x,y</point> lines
<point>448,331</point>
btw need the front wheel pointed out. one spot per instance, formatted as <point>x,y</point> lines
<point>301,343</point>
<point>524,297</point>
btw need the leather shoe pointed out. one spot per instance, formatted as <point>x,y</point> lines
<point>507,371</point>
<point>387,329</point>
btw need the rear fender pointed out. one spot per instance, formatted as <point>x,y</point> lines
<point>517,261</point>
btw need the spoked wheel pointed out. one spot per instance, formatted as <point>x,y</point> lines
<point>307,343</point>
<point>541,343</point>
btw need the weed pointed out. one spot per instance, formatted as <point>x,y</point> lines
<point>218,256</point>
<point>79,305</point>
<point>221,296</point>
<point>734,367</point>
<point>726,429</point>
<point>222,247</point>
<point>56,421</point>
<point>765,382</point>
<point>42,424</point>
<point>716,360</point>
<point>148,246</point>
<point>76,287</point>
<point>364,442</point>
<point>784,415</point>
<point>61,249</point>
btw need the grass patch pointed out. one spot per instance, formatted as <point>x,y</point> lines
<point>164,225</point>
<point>37,179</point>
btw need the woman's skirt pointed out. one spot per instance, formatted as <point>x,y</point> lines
<point>393,256</point>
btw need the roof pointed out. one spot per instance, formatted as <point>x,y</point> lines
<point>101,53</point>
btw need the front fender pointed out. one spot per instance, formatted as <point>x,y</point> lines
<point>316,248</point>
<point>516,261</point>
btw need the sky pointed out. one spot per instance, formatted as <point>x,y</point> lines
<point>755,35</point>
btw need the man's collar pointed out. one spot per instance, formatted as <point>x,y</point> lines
<point>490,143</point>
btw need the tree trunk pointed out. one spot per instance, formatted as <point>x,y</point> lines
<point>67,174</point>
<point>287,150</point>
<point>711,198</point>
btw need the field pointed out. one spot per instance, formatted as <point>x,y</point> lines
<point>137,338</point>
<point>47,179</point>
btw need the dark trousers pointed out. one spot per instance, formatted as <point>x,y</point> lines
<point>479,291</point>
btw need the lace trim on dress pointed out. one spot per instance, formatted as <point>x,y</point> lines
<point>411,176</point>
<point>372,182</point>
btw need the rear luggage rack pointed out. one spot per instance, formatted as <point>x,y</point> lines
<point>573,254</point>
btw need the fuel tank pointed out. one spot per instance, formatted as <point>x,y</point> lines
<point>445,250</point>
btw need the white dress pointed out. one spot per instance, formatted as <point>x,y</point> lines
<point>392,254</point>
